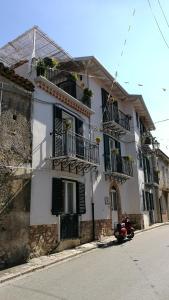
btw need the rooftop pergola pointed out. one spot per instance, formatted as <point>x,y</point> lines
<point>33,43</point>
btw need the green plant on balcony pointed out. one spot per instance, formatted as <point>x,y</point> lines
<point>73,76</point>
<point>86,98</point>
<point>115,151</point>
<point>129,158</point>
<point>46,63</point>
<point>98,140</point>
<point>40,69</point>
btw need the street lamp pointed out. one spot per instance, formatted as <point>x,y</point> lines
<point>156,145</point>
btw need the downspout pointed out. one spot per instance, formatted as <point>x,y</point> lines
<point>1,94</point>
<point>91,177</point>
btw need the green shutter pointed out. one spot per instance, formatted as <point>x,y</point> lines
<point>104,104</point>
<point>106,152</point>
<point>80,198</point>
<point>57,196</point>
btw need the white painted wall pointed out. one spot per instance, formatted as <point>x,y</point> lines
<point>42,125</point>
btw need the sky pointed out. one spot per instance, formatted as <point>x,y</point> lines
<point>105,29</point>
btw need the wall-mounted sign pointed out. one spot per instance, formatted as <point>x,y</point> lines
<point>107,200</point>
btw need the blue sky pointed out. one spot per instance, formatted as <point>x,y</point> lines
<point>99,28</point>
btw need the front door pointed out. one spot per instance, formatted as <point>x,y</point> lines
<point>114,208</point>
<point>69,220</point>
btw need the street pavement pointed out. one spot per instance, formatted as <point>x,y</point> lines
<point>135,270</point>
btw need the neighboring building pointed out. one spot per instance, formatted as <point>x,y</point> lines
<point>15,164</point>
<point>163,172</point>
<point>87,147</point>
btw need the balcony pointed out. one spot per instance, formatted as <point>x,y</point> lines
<point>119,168</point>
<point>151,179</point>
<point>65,81</point>
<point>115,121</point>
<point>74,153</point>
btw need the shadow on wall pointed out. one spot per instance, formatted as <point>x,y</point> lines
<point>14,225</point>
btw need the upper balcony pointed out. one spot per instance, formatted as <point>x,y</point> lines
<point>74,153</point>
<point>119,168</point>
<point>114,120</point>
<point>68,82</point>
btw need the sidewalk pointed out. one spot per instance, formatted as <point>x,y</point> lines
<point>44,261</point>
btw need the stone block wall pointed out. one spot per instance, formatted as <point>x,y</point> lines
<point>102,227</point>
<point>15,152</point>
<point>43,239</point>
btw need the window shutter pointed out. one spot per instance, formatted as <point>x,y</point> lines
<point>106,153</point>
<point>57,129</point>
<point>104,102</point>
<point>79,140</point>
<point>57,198</point>
<point>80,198</point>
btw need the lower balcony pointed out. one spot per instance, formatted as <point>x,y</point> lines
<point>74,153</point>
<point>119,168</point>
<point>151,179</point>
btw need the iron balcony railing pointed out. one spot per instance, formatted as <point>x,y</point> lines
<point>113,114</point>
<point>151,177</point>
<point>70,144</point>
<point>120,164</point>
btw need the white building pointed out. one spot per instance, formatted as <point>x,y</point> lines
<point>81,186</point>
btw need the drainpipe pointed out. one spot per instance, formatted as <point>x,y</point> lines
<point>91,175</point>
<point>1,94</point>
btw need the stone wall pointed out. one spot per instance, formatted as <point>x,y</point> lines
<point>136,220</point>
<point>43,239</point>
<point>15,151</point>
<point>102,227</point>
<point>14,226</point>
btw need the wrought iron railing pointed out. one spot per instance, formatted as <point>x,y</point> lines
<point>70,144</point>
<point>120,164</point>
<point>151,177</point>
<point>69,226</point>
<point>113,114</point>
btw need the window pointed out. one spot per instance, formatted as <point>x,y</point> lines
<point>140,157</point>
<point>137,120</point>
<point>68,197</point>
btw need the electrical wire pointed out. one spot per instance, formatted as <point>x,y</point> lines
<point>161,121</point>
<point>158,26</point>
<point>163,13</point>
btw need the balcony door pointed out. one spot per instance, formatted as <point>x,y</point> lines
<point>68,124</point>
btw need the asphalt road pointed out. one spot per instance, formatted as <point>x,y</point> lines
<point>136,270</point>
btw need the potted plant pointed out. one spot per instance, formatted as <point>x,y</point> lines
<point>86,98</point>
<point>129,158</point>
<point>73,76</point>
<point>98,140</point>
<point>115,151</point>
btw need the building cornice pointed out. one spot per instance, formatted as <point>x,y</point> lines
<point>64,97</point>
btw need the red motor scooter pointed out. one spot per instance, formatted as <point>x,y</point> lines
<point>124,231</point>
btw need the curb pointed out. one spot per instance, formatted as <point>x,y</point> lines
<point>64,255</point>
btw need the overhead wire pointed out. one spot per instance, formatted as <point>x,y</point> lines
<point>158,26</point>
<point>164,15</point>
